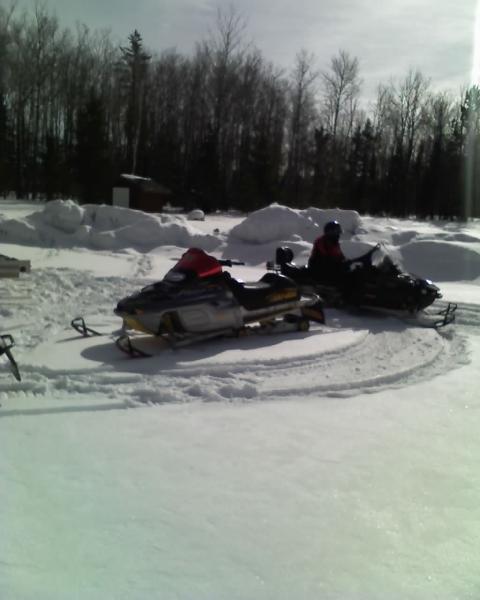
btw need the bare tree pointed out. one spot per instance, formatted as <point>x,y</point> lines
<point>407,111</point>
<point>195,114</point>
<point>42,39</point>
<point>5,33</point>
<point>226,51</point>
<point>341,89</point>
<point>438,113</point>
<point>302,115</point>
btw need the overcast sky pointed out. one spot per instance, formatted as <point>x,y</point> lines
<point>387,36</point>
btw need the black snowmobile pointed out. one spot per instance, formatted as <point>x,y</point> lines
<point>197,300</point>
<point>362,284</point>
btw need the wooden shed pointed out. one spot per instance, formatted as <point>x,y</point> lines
<point>140,193</point>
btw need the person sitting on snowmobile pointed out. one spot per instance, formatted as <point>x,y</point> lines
<point>327,261</point>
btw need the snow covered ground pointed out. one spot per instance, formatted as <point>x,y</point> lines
<point>340,463</point>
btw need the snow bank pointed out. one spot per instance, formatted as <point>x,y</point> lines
<point>442,252</point>
<point>63,223</point>
<point>349,219</point>
<point>442,260</point>
<point>281,223</point>
<point>66,216</point>
<point>274,223</point>
<point>196,215</point>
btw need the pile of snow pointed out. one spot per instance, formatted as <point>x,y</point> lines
<point>63,223</point>
<point>349,219</point>
<point>442,252</point>
<point>442,260</point>
<point>196,215</point>
<point>277,223</point>
<point>67,216</point>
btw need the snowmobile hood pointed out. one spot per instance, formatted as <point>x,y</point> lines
<point>197,277</point>
<point>194,263</point>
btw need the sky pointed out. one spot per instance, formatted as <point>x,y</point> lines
<point>339,463</point>
<point>388,37</point>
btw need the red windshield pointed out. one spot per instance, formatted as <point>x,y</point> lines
<point>200,262</point>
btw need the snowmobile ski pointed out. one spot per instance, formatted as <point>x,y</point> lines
<point>79,325</point>
<point>131,344</point>
<point>6,343</point>
<point>125,344</point>
<point>438,319</point>
<point>421,318</point>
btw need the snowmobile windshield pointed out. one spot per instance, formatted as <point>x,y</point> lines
<point>386,264</point>
<point>195,263</point>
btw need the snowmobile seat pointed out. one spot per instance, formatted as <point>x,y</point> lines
<point>300,274</point>
<point>271,289</point>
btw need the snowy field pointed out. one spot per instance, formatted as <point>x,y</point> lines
<point>338,463</point>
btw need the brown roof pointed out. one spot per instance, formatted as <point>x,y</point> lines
<point>144,183</point>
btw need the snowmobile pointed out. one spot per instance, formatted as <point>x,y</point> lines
<point>198,300</point>
<point>6,344</point>
<point>382,286</point>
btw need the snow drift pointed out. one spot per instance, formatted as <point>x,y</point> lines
<point>277,222</point>
<point>439,251</point>
<point>63,223</point>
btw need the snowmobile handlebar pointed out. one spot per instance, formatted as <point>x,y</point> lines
<point>371,251</point>
<point>363,258</point>
<point>227,262</point>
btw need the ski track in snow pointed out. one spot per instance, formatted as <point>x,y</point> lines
<point>383,352</point>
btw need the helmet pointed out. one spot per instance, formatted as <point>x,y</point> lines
<point>333,229</point>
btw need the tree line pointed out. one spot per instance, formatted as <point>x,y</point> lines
<point>225,128</point>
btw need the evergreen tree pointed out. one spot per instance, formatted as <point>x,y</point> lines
<point>321,166</point>
<point>453,185</point>
<point>92,152</point>
<point>360,178</point>
<point>471,126</point>
<point>134,66</point>
<point>6,179</point>
<point>51,167</point>
<point>205,175</point>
